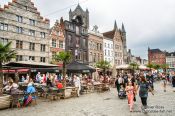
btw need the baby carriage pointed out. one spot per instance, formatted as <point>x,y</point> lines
<point>122,94</point>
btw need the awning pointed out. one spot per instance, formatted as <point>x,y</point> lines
<point>77,67</point>
<point>30,64</point>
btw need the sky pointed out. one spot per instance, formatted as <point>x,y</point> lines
<point>147,22</point>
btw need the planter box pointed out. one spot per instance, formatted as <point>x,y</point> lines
<point>5,101</point>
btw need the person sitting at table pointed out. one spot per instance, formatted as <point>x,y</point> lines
<point>59,85</point>
<point>13,87</point>
<point>22,79</point>
<point>49,83</point>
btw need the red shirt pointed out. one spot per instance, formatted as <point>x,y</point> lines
<point>59,85</point>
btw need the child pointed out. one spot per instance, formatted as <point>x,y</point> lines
<point>130,94</point>
<point>122,92</point>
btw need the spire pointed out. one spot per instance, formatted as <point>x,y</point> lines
<point>123,28</point>
<point>115,25</point>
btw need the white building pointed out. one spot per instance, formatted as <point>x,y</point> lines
<point>170,59</point>
<point>108,48</point>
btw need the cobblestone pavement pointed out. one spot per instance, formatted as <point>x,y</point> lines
<point>101,104</point>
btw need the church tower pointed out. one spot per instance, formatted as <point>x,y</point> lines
<point>79,12</point>
<point>123,32</point>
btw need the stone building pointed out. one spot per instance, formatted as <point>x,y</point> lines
<point>95,46</point>
<point>76,35</point>
<point>118,36</point>
<point>156,56</point>
<point>21,23</point>
<point>57,41</point>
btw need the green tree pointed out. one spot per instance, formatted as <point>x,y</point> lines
<point>103,65</point>
<point>65,57</point>
<point>164,66</point>
<point>156,66</point>
<point>150,66</point>
<point>134,66</point>
<point>6,54</point>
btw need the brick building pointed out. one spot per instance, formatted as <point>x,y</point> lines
<point>156,56</point>
<point>95,46</point>
<point>21,23</point>
<point>57,40</point>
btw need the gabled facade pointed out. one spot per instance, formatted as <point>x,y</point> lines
<point>57,40</point>
<point>21,23</point>
<point>76,36</point>
<point>118,36</point>
<point>95,46</point>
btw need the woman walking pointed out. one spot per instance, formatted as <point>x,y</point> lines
<point>164,79</point>
<point>130,93</point>
<point>143,91</point>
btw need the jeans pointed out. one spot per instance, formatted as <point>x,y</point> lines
<point>144,101</point>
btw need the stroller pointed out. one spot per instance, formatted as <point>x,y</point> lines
<point>122,93</point>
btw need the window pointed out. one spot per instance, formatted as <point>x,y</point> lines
<point>19,18</point>
<point>53,55</point>
<point>84,42</point>
<point>77,30</point>
<point>42,59</point>
<point>19,29</point>
<point>60,44</point>
<point>77,41</point>
<point>32,46</point>
<point>85,56</point>
<point>31,32</point>
<point>43,48</point>
<point>100,46</point>
<point>108,45</point>
<point>32,22</point>
<point>4,41</point>
<point>54,43</point>
<point>31,58</point>
<point>105,53</point>
<point>42,34</point>
<point>108,52</point>
<point>19,58</point>
<point>19,44</point>
<point>3,26</point>
<point>69,39</point>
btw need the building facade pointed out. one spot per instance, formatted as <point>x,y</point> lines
<point>21,23</point>
<point>156,56</point>
<point>95,46</point>
<point>118,36</point>
<point>76,36</point>
<point>108,48</point>
<point>57,40</point>
<point>170,59</point>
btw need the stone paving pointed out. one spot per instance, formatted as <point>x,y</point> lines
<point>101,104</point>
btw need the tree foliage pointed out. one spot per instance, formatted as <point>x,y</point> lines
<point>6,54</point>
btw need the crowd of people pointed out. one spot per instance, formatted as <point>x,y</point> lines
<point>131,84</point>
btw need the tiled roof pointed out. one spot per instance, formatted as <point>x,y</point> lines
<point>109,34</point>
<point>155,50</point>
